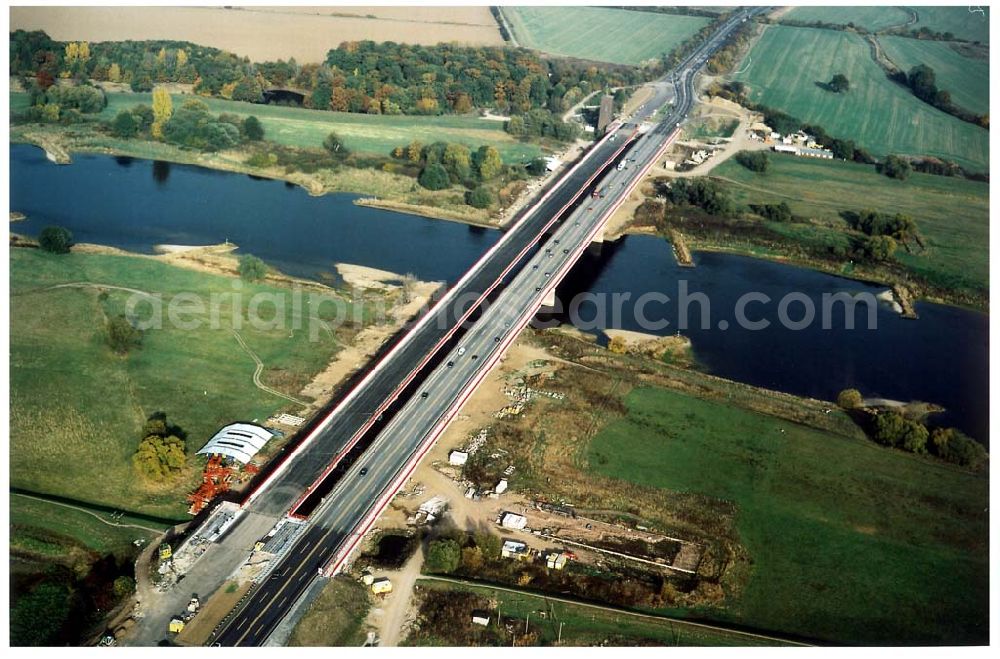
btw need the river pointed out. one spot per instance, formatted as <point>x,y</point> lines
<point>136,204</point>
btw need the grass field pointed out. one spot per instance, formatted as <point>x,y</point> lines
<point>849,542</point>
<point>379,134</point>
<point>967,79</point>
<point>336,618</point>
<point>77,408</point>
<point>587,626</point>
<point>300,127</point>
<point>870,18</point>
<point>964,24</point>
<point>787,63</point>
<point>606,35</point>
<point>88,531</point>
<point>951,213</point>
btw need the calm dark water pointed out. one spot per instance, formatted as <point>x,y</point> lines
<point>943,357</point>
<point>135,204</point>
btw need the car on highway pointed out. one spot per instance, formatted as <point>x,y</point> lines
<point>461,351</point>
<point>425,394</point>
<point>364,471</point>
<point>450,364</point>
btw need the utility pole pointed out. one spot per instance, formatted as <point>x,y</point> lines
<point>526,618</point>
<point>559,640</point>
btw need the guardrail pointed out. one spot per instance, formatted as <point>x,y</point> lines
<point>413,373</point>
<point>410,466</point>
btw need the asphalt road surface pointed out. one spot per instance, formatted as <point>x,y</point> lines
<point>352,417</point>
<point>336,521</point>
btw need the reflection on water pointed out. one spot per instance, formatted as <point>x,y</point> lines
<point>161,171</point>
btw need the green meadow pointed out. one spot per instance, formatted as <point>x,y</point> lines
<point>786,64</point>
<point>77,407</point>
<point>952,214</point>
<point>849,542</point>
<point>603,34</point>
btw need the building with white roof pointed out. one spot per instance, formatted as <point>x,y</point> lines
<point>239,441</point>
<point>513,521</point>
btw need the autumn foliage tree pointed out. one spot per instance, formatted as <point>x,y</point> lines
<point>163,108</point>
<point>162,452</point>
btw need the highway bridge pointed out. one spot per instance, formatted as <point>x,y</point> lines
<point>397,411</point>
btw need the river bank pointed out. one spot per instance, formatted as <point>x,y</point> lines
<point>304,236</point>
<point>854,271</point>
<point>382,189</point>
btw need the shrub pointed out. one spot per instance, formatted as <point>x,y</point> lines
<point>443,556</point>
<point>896,167</point>
<point>952,445</point>
<point>251,268</point>
<point>849,399</point>
<point>122,335</point>
<point>158,458</point>
<point>252,129</point>
<point>125,125</point>
<point>56,240</point>
<point>481,197</point>
<point>333,144</point>
<point>162,451</point>
<point>879,248</point>
<point>779,212</point>
<point>434,177</point>
<point>839,83</point>
<point>755,161</point>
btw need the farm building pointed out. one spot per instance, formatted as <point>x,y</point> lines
<point>808,152</point>
<point>239,441</point>
<point>816,153</point>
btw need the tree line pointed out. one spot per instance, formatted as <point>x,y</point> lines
<point>894,429</point>
<point>922,81</point>
<point>844,149</point>
<point>881,233</point>
<point>357,76</point>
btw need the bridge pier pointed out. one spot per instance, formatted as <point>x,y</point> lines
<point>550,300</point>
<point>598,237</point>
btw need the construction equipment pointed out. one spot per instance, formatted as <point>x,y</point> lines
<point>215,480</point>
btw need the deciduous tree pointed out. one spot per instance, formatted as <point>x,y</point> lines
<point>56,240</point>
